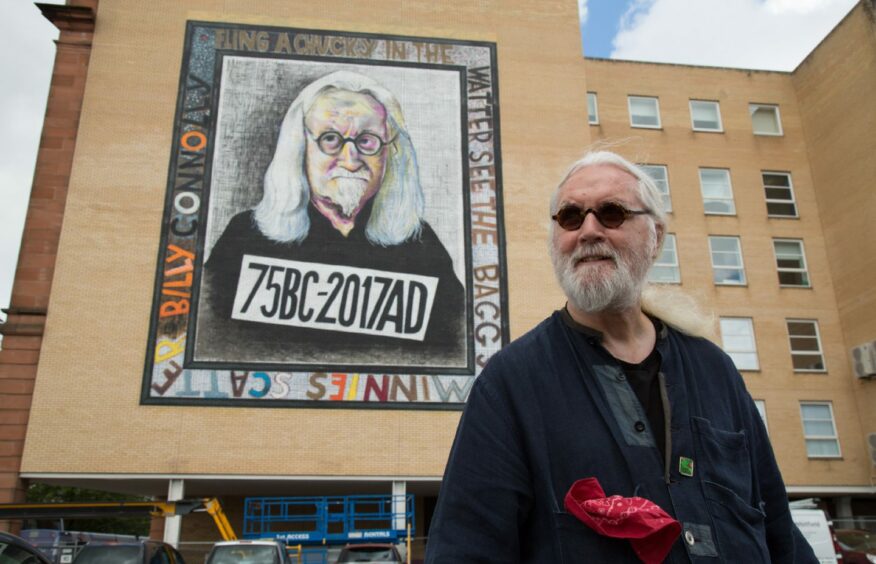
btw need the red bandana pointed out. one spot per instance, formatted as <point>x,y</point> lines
<point>649,529</point>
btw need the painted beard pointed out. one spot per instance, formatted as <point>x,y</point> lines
<point>349,195</point>
<point>598,287</point>
<point>347,190</point>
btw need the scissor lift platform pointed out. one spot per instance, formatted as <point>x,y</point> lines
<point>334,520</point>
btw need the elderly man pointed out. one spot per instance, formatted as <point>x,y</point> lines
<point>610,433</point>
<point>336,263</point>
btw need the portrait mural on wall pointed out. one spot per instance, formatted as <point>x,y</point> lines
<point>333,227</point>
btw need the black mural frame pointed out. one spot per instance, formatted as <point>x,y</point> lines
<point>190,104</point>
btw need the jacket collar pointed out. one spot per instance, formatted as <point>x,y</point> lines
<point>594,335</point>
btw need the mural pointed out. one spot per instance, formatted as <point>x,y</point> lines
<point>333,227</point>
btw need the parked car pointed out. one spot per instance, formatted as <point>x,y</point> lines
<point>375,553</point>
<point>249,552</point>
<point>15,550</point>
<point>60,546</point>
<point>136,552</point>
<point>818,531</point>
<point>857,546</point>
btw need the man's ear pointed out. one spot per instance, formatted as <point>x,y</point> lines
<point>660,228</point>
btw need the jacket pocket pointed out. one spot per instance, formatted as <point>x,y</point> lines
<point>724,466</point>
<point>722,457</point>
<point>579,543</point>
<point>739,527</point>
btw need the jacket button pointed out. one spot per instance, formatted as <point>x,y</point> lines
<point>639,426</point>
<point>620,377</point>
<point>689,538</point>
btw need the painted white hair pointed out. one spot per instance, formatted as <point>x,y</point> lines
<point>398,206</point>
<point>669,304</point>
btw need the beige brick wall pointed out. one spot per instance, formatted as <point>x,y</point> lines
<point>86,415</point>
<point>683,151</point>
<point>834,87</point>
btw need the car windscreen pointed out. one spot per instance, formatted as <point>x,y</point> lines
<point>244,554</point>
<point>11,554</point>
<point>118,554</point>
<point>862,541</point>
<point>375,555</point>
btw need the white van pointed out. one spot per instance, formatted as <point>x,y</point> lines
<point>816,529</point>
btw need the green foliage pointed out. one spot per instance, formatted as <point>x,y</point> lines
<point>42,493</point>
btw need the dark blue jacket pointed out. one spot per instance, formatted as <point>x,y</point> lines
<point>546,412</point>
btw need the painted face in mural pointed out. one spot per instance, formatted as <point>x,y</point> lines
<point>342,129</point>
<point>601,268</point>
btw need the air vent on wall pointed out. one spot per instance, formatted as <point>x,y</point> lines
<point>864,360</point>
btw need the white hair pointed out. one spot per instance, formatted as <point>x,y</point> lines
<point>645,185</point>
<point>397,212</point>
<point>671,305</point>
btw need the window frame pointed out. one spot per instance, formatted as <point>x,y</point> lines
<point>717,106</point>
<point>595,108</point>
<point>630,98</point>
<point>819,352</point>
<point>752,106</point>
<point>834,437</point>
<point>667,196</point>
<point>780,269</point>
<point>751,335</point>
<point>731,199</point>
<point>741,267</point>
<point>676,266</point>
<point>768,200</point>
<point>760,405</point>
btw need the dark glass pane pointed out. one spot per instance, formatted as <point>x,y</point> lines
<point>801,328</point>
<point>808,362</point>
<point>778,193</point>
<point>789,210</point>
<point>800,344</point>
<point>775,180</point>
<point>793,279</point>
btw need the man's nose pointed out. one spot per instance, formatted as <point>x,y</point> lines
<point>591,229</point>
<point>349,157</point>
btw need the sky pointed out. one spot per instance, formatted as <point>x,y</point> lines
<point>755,34</point>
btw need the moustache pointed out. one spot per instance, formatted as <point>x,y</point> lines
<point>360,174</point>
<point>598,250</point>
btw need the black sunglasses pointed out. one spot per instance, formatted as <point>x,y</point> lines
<point>610,214</point>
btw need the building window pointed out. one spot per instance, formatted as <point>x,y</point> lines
<point>644,112</point>
<point>737,336</point>
<point>660,176</point>
<point>791,263</point>
<point>592,109</point>
<point>819,429</point>
<point>761,410</point>
<point>805,342</point>
<point>727,260</point>
<point>779,194</point>
<point>705,116</point>
<point>665,268</point>
<point>717,192</point>
<point>765,119</point>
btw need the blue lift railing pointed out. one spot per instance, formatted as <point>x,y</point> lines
<point>329,520</point>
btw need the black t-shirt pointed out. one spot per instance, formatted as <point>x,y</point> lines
<point>220,338</point>
<point>642,377</point>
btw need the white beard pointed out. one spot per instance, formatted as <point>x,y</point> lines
<point>601,287</point>
<point>349,194</point>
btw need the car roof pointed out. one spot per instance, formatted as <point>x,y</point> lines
<point>271,542</point>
